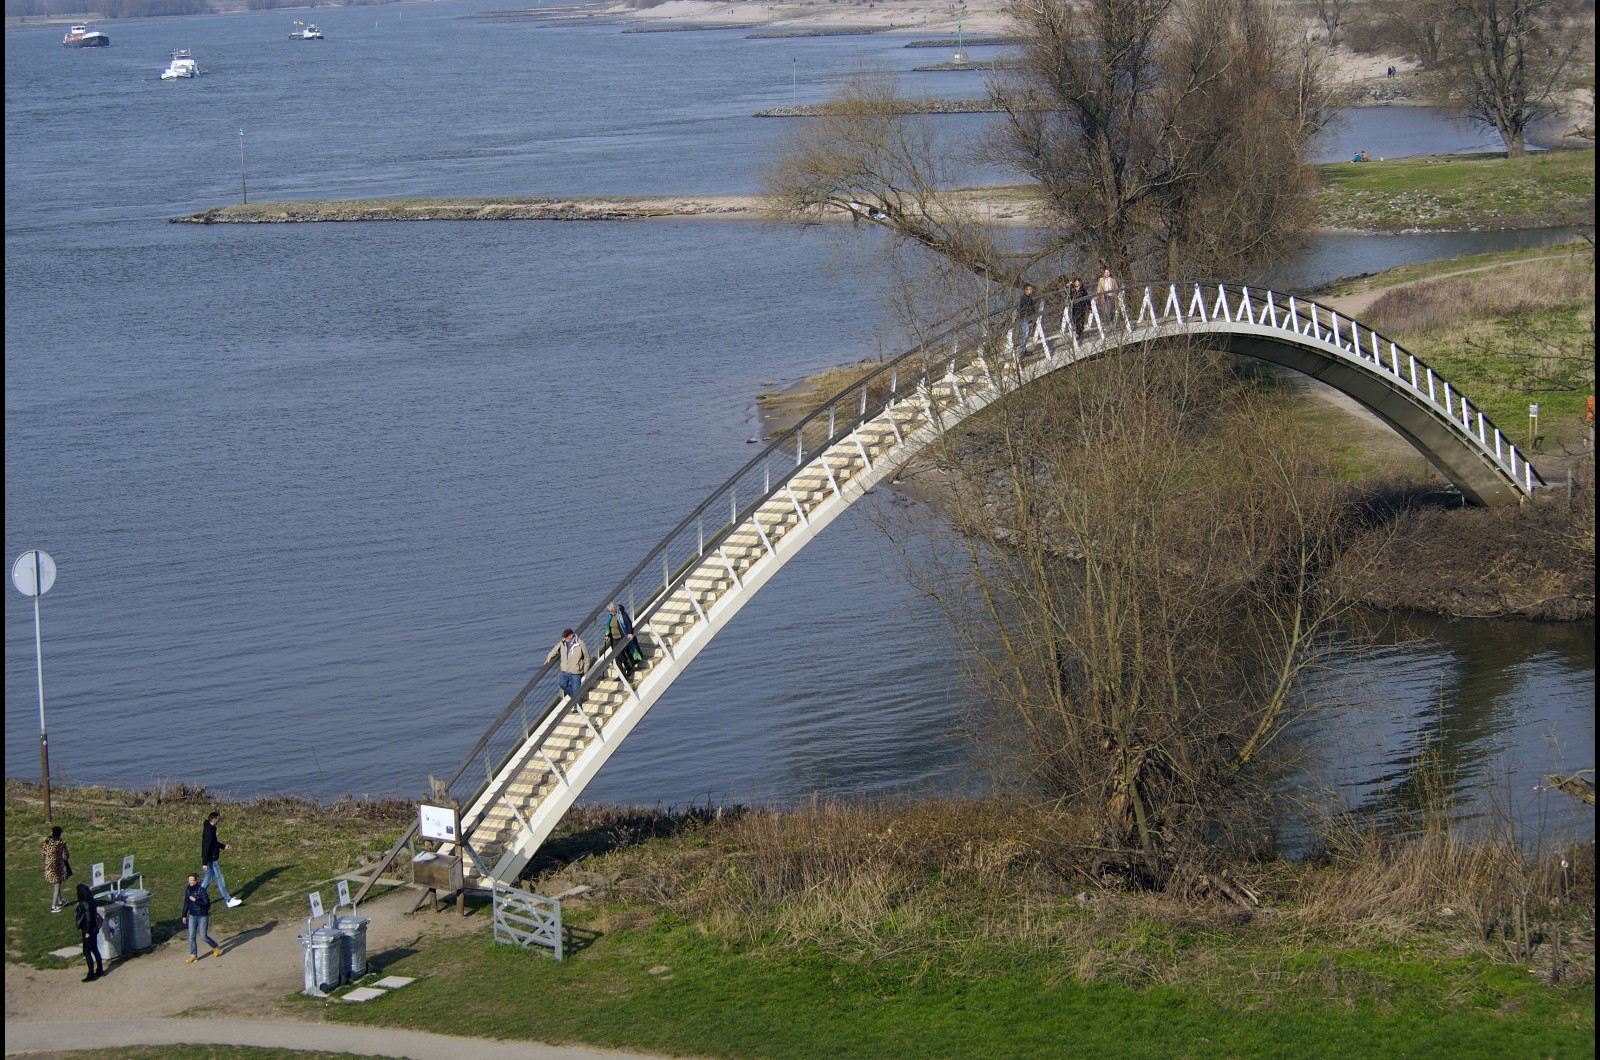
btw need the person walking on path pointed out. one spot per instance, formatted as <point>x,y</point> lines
<point>57,866</point>
<point>574,662</point>
<point>1027,311</point>
<point>211,849</point>
<point>1107,289</point>
<point>196,917</point>
<point>87,915</point>
<point>620,635</point>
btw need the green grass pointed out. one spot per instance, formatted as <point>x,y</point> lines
<point>674,989</point>
<point>1459,192</point>
<point>1487,360</point>
<point>282,849</point>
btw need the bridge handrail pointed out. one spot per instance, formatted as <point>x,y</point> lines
<point>658,574</point>
<point>589,628</point>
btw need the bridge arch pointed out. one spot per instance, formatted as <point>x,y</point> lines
<point>536,757</point>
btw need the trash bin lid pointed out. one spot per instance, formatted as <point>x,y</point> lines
<point>347,922</point>
<point>138,894</point>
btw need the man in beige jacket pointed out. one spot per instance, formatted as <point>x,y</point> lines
<point>574,662</point>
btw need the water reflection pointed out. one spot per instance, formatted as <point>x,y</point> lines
<point>1498,705</point>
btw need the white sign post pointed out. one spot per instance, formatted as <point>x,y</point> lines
<point>344,894</point>
<point>315,897</point>
<point>33,574</point>
<point>97,874</point>
<point>127,866</point>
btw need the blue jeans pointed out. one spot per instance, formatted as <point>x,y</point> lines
<point>569,683</point>
<point>214,871</point>
<point>197,930</point>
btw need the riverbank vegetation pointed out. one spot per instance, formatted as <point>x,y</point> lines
<point>941,927</point>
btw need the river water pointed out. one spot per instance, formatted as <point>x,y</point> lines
<point>323,495</point>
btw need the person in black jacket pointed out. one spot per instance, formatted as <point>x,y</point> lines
<point>196,915</point>
<point>211,849</point>
<point>87,914</point>
<point>1078,299</point>
<point>1027,310</point>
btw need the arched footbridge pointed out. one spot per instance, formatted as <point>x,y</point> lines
<point>535,758</point>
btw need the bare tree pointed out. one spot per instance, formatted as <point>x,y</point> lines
<point>1163,136</point>
<point>1331,13</point>
<point>1508,60</point>
<point>1167,136</point>
<point>1418,26</point>
<point>868,158</point>
<point>1141,583</point>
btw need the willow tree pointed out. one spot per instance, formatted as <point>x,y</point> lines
<point>1160,137</point>
<point>1167,137</point>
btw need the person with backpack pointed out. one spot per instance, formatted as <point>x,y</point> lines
<point>196,917</point>
<point>87,915</point>
<point>619,634</point>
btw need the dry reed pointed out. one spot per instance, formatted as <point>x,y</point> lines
<point>1520,290</point>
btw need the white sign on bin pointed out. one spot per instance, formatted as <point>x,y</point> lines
<point>439,823</point>
<point>97,873</point>
<point>127,866</point>
<point>344,892</point>
<point>315,898</point>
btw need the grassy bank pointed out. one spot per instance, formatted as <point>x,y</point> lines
<point>1459,192</point>
<point>939,928</point>
<point>1509,332</point>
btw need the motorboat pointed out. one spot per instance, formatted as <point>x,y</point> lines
<point>182,65</point>
<point>81,36</point>
<point>305,31</point>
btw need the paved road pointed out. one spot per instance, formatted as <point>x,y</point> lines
<point>23,1039</point>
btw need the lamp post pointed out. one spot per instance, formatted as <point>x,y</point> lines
<point>244,193</point>
<point>33,574</point>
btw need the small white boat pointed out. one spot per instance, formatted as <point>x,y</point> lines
<point>182,65</point>
<point>305,31</point>
<point>81,36</point>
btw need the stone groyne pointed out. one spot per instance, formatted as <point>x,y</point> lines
<point>500,209</point>
<point>902,106</point>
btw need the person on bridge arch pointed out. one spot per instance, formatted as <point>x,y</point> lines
<point>574,658</point>
<point>1077,305</point>
<point>1027,312</point>
<point>1107,290</point>
<point>620,635</point>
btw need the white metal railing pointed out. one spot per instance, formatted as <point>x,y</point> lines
<point>959,363</point>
